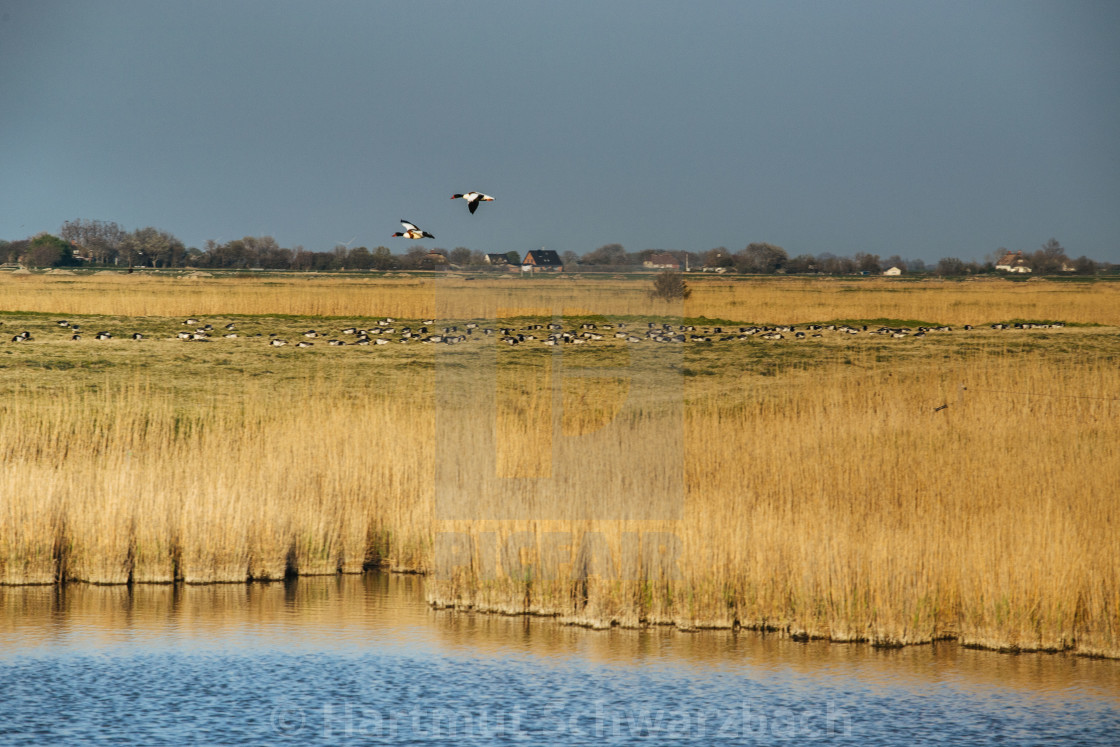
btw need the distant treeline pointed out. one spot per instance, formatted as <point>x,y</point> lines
<point>100,243</point>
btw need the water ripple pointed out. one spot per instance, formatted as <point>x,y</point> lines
<point>365,661</point>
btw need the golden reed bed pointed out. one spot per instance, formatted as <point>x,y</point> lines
<point>819,487</point>
<point>771,300</point>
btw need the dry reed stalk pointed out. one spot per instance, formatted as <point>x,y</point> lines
<point>30,531</point>
<point>221,496</point>
<point>857,512</point>
<point>824,511</point>
<point>981,301</point>
<point>819,497</point>
<point>922,525</point>
<point>589,573</point>
<point>99,522</point>
<point>768,300</point>
<point>137,296</point>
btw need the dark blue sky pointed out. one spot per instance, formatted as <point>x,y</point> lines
<point>924,129</point>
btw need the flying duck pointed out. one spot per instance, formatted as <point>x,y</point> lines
<point>412,232</point>
<point>473,198</point>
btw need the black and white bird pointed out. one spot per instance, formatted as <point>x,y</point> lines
<point>473,198</point>
<point>411,231</point>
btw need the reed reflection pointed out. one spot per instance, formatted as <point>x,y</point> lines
<point>385,614</point>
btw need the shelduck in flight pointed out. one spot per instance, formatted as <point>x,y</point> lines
<point>412,232</point>
<point>473,198</point>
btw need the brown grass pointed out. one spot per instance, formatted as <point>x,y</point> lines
<point>804,486</point>
<point>771,301</point>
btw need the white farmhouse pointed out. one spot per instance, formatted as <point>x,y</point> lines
<point>1013,262</point>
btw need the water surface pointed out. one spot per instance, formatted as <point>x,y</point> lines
<point>363,660</point>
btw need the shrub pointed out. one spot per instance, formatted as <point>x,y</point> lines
<point>669,286</point>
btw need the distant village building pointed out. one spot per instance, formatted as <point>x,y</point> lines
<point>497,260</point>
<point>1013,262</point>
<point>542,260</point>
<point>662,261</point>
<point>893,271</point>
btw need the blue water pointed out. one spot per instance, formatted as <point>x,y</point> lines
<point>365,661</point>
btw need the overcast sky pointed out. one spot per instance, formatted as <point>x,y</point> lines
<point>924,129</point>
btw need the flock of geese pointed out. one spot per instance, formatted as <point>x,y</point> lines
<point>389,330</point>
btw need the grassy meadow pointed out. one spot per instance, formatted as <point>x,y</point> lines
<point>847,486</point>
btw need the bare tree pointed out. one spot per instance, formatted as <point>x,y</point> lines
<point>832,265</point>
<point>258,247</point>
<point>383,259</point>
<point>718,257</point>
<point>140,247</point>
<point>868,263</point>
<point>98,240</point>
<point>460,255</point>
<point>760,257</point>
<point>802,263</point>
<point>1084,266</point>
<point>1050,258</point>
<point>272,256</point>
<point>608,254</point>
<point>415,258</point>
<point>950,266</point>
<point>301,259</point>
